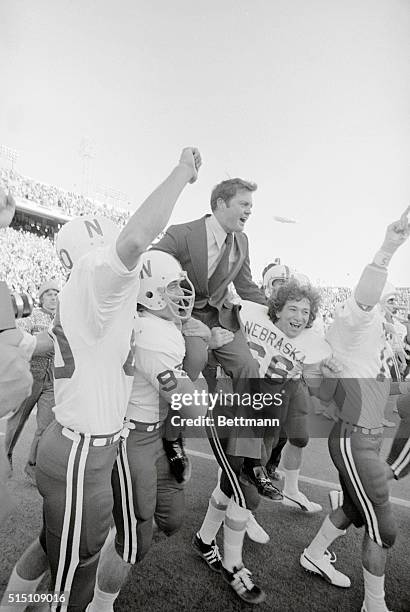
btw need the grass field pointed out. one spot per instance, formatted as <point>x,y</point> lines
<point>172,579</point>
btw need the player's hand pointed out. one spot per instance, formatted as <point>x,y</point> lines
<point>7,208</point>
<point>397,233</point>
<point>194,327</point>
<point>331,368</point>
<point>220,337</point>
<point>191,158</point>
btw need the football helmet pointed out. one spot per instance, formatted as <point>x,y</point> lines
<point>280,274</point>
<point>164,283</point>
<point>81,235</point>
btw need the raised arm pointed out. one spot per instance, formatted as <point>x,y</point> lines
<point>374,276</point>
<point>152,216</point>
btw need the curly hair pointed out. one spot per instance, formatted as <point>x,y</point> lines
<point>292,290</point>
<point>228,189</point>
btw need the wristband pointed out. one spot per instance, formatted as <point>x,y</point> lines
<point>382,258</point>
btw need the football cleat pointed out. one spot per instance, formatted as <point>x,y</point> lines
<point>274,473</point>
<point>179,463</point>
<point>299,501</point>
<point>241,582</point>
<point>208,552</point>
<point>259,477</point>
<point>255,531</point>
<point>324,568</point>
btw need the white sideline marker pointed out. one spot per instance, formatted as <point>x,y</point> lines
<point>314,481</point>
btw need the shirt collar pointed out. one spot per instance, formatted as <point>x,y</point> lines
<point>217,231</point>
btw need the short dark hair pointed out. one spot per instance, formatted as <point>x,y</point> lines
<point>228,189</point>
<point>292,290</point>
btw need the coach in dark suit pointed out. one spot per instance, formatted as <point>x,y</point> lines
<point>214,252</point>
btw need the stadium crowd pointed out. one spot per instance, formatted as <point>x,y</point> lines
<point>27,261</point>
<point>68,202</point>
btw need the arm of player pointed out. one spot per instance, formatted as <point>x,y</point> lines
<point>324,386</point>
<point>246,288</point>
<point>153,215</point>
<point>196,335</point>
<point>374,276</point>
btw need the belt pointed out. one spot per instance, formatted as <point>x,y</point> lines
<point>94,440</point>
<point>140,426</point>
<point>364,430</point>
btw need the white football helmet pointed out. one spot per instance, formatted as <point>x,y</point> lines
<point>280,274</point>
<point>83,234</point>
<point>164,283</point>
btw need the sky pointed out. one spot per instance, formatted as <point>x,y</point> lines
<point>308,98</point>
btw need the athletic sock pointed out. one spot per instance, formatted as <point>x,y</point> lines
<point>234,531</point>
<point>291,482</point>
<point>17,584</point>
<point>374,592</point>
<point>324,537</point>
<point>214,516</point>
<point>102,602</point>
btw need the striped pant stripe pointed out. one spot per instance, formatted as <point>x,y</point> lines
<point>127,503</point>
<point>223,461</point>
<point>402,460</point>
<point>365,502</point>
<point>69,556</point>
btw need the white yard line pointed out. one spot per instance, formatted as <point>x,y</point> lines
<point>315,481</point>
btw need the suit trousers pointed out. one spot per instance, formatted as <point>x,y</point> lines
<point>237,363</point>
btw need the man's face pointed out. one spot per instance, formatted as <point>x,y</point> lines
<point>49,300</point>
<point>293,317</point>
<point>390,305</point>
<point>234,214</point>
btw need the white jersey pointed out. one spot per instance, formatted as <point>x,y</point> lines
<point>358,341</point>
<point>159,353</point>
<point>93,364</point>
<point>278,355</point>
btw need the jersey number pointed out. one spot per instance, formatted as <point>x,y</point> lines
<point>278,368</point>
<point>167,380</point>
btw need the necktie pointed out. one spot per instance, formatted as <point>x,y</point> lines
<point>222,269</point>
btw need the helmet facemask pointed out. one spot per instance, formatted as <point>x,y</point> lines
<point>179,296</point>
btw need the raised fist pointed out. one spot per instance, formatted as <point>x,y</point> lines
<point>191,158</point>
<point>397,233</point>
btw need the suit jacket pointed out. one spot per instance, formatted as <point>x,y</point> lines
<point>187,242</point>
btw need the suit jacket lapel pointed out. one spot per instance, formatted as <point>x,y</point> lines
<point>198,250</point>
